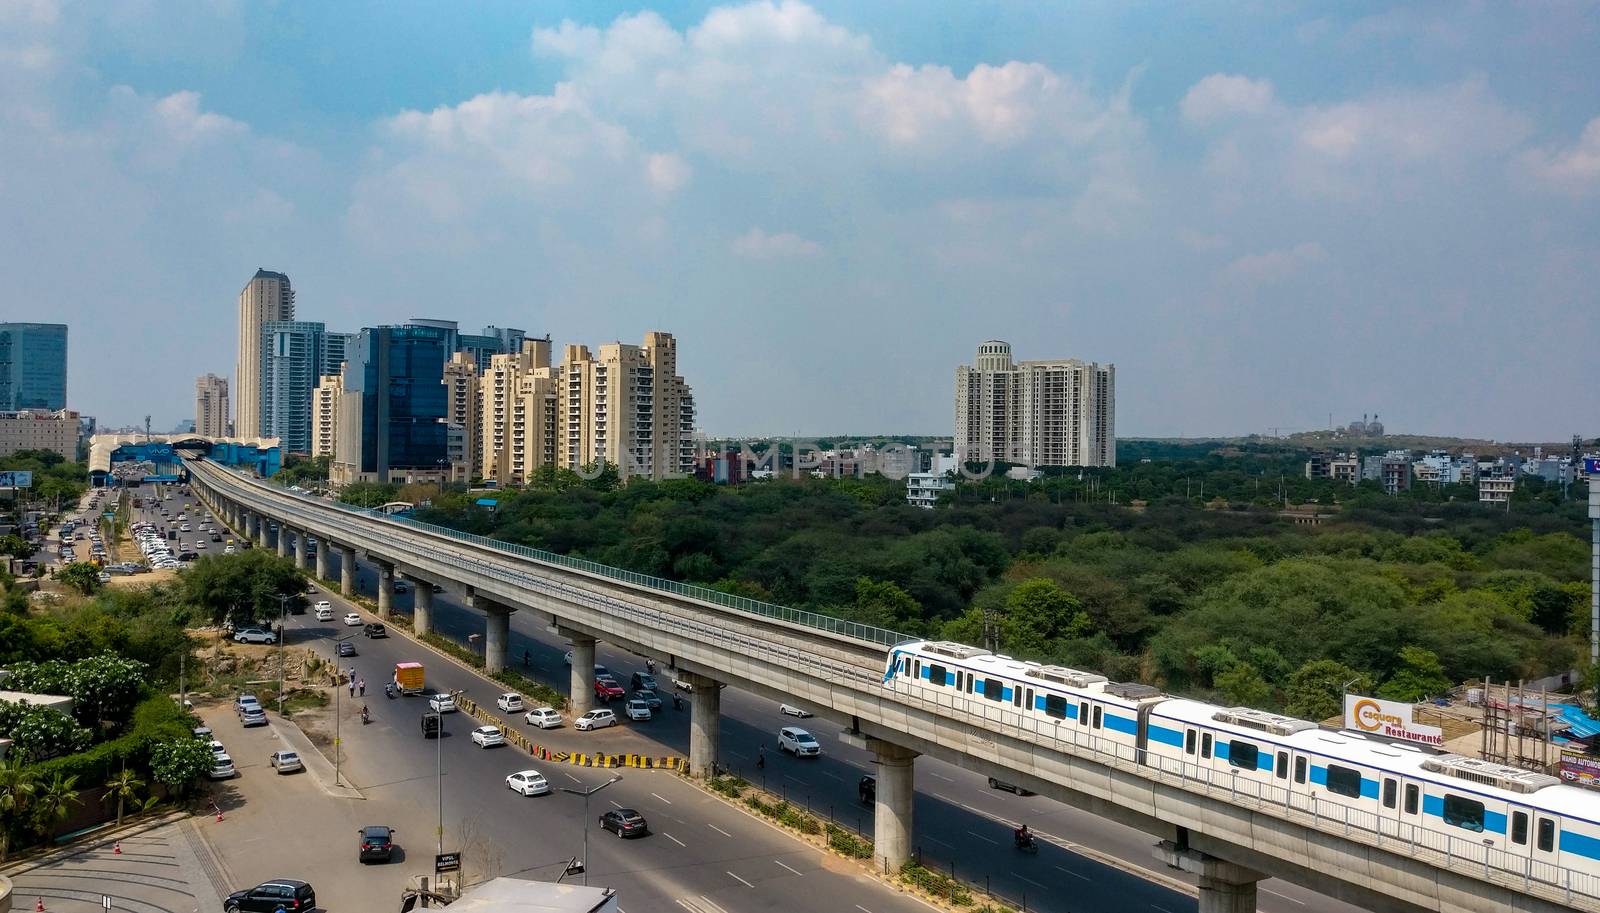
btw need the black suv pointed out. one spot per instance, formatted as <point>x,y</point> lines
<point>374,629</point>
<point>293,896</point>
<point>430,725</point>
<point>377,843</point>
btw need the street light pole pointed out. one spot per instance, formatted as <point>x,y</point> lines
<point>336,704</point>
<point>586,793</point>
<point>282,614</point>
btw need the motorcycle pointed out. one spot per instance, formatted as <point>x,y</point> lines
<point>365,716</point>
<point>388,690</point>
<point>1025,842</point>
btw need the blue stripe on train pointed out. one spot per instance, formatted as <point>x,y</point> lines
<point>1369,788</point>
<point>1580,844</point>
<point>1493,822</point>
<point>1166,736</point>
<point>1126,724</point>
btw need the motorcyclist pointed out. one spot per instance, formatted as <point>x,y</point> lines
<point>1024,837</point>
<point>365,716</point>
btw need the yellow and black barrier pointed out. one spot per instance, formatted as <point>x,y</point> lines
<point>576,759</point>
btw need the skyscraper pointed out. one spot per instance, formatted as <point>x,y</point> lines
<point>626,407</point>
<point>1036,413</point>
<point>461,410</point>
<point>294,354</point>
<point>211,405</point>
<point>519,414</point>
<point>266,297</point>
<point>392,406</point>
<point>33,366</point>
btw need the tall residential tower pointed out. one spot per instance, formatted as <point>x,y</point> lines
<point>211,406</point>
<point>1036,413</point>
<point>266,297</point>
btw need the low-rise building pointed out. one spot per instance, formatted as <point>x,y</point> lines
<point>28,429</point>
<point>1392,470</point>
<point>924,488</point>
<point>1496,487</point>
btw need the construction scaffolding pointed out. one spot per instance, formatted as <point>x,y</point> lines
<point>1516,726</point>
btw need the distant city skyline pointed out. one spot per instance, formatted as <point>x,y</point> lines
<point>1313,210</point>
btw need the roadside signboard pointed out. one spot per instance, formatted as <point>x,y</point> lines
<point>447,862</point>
<point>1391,719</point>
<point>1583,770</point>
<point>16,479</point>
<point>1591,466</point>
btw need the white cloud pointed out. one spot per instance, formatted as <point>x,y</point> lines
<point>758,245</point>
<point>668,173</point>
<point>1575,168</point>
<point>1221,96</point>
<point>1253,270</point>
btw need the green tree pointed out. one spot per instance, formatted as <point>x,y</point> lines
<point>52,802</point>
<point>123,786</point>
<point>177,763</point>
<point>40,733</point>
<point>17,785</point>
<point>1419,675</point>
<point>1242,685</point>
<point>81,576</point>
<point>1316,689</point>
<point>242,588</point>
<point>16,546</point>
<point>882,603</point>
<point>1039,611</point>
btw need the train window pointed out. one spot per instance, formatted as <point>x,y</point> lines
<point>1028,705</point>
<point>1519,828</point>
<point>1188,742</point>
<point>1283,765</point>
<point>1016,697</point>
<point>1097,717</point>
<point>1055,705</point>
<point>1344,781</point>
<point>1547,835</point>
<point>994,689</point>
<point>1390,789</point>
<point>1083,713</point>
<point>1299,770</point>
<point>1205,745</point>
<point>1243,755</point>
<point>937,674</point>
<point>969,682</point>
<point>916,668</point>
<point>1463,812</point>
<point>1412,793</point>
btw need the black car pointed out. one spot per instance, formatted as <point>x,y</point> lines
<point>644,681</point>
<point>1010,787</point>
<point>268,896</point>
<point>624,822</point>
<point>377,843</point>
<point>346,648</point>
<point>430,725</point>
<point>374,630</point>
<point>867,790</point>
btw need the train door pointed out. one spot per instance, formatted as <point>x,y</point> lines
<point>1546,838</point>
<point>1409,814</point>
<point>1389,797</point>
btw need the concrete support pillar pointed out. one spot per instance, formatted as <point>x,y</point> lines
<point>263,530</point>
<point>581,697</point>
<point>705,725</point>
<point>283,541</point>
<point>1224,886</point>
<point>421,605</point>
<point>347,571</point>
<point>385,589</point>
<point>323,548</point>
<point>496,633</point>
<point>301,559</point>
<point>891,815</point>
<point>252,522</point>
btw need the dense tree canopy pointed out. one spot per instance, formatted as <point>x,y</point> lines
<point>243,588</point>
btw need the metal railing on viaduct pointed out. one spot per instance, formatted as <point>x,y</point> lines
<point>1230,835</point>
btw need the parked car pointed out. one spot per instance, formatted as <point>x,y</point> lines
<point>377,843</point>
<point>594,719</point>
<point>638,711</point>
<point>544,717</point>
<point>792,710</point>
<point>254,636</point>
<point>441,703</point>
<point>488,737</point>
<point>529,783</point>
<point>624,822</point>
<point>279,893</point>
<point>222,767</point>
<point>510,702</point>
<point>373,629</point>
<point>286,762</point>
<point>798,742</point>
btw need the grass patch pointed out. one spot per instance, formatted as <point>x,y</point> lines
<point>300,699</point>
<point>936,883</point>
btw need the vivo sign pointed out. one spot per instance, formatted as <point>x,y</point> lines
<point>1391,719</point>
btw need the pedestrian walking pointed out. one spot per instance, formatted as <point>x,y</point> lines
<point>761,759</point>
<point>352,687</point>
<point>363,687</point>
<point>527,658</point>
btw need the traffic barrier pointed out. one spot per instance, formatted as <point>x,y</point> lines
<point>581,759</point>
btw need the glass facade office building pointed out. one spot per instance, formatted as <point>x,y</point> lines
<point>394,401</point>
<point>33,366</point>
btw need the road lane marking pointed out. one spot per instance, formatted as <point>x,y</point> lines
<point>674,840</point>
<point>932,839</point>
<point>1070,872</point>
<point>862,909</point>
<point>790,868</point>
<point>943,777</point>
<point>1284,896</point>
<point>1162,909</point>
<point>944,798</point>
<point>718,829</point>
<point>571,777</point>
<point>613,803</point>
<point>983,838</point>
<point>740,880</point>
<point>741,757</point>
<point>1028,880</point>
<point>831,776</point>
<point>658,796</point>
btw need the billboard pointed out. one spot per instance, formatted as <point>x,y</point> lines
<point>19,479</point>
<point>1591,466</point>
<point>1583,770</point>
<point>1391,719</point>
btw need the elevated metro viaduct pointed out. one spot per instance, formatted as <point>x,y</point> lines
<point>1230,840</point>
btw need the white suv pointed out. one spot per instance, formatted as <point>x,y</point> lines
<point>798,742</point>
<point>594,719</point>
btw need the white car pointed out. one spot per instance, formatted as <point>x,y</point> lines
<point>510,702</point>
<point>229,550</point>
<point>798,742</point>
<point>254,636</point>
<point>442,703</point>
<point>544,718</point>
<point>286,762</point>
<point>638,711</point>
<point>792,710</point>
<point>323,604</point>
<point>529,783</point>
<point>594,719</point>
<point>324,612</point>
<point>488,736</point>
<point>222,767</point>
<point>351,619</point>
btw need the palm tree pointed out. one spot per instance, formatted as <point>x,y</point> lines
<point>123,786</point>
<point>16,789</point>
<point>53,803</point>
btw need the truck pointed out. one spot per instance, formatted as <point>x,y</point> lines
<point>408,678</point>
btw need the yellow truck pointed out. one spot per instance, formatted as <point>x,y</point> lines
<point>408,678</point>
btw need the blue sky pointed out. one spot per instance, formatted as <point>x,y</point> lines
<point>1262,213</point>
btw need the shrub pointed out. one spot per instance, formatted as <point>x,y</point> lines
<point>936,883</point>
<point>847,844</point>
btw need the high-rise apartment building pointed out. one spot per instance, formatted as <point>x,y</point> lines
<point>626,407</point>
<point>519,414</point>
<point>33,366</point>
<point>211,405</point>
<point>267,297</point>
<point>1036,413</point>
<point>392,408</point>
<point>491,342</point>
<point>294,355</point>
<point>461,409</point>
<point>325,415</point>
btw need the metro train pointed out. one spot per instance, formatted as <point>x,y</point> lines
<point>1540,823</point>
